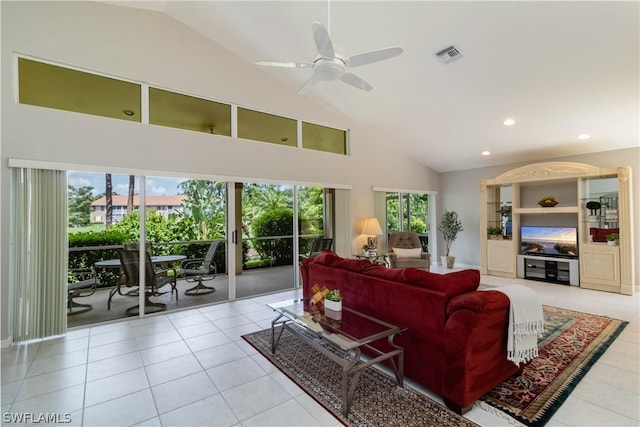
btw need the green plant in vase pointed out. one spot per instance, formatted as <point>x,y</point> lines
<point>613,239</point>
<point>333,300</point>
<point>450,225</point>
<point>333,295</point>
<point>494,233</point>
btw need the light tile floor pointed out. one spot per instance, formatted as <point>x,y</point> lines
<point>192,368</point>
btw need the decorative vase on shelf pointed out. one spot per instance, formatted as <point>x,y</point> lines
<point>613,239</point>
<point>548,202</point>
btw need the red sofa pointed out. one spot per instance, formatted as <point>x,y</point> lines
<point>455,343</point>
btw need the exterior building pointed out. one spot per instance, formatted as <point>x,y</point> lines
<point>164,205</point>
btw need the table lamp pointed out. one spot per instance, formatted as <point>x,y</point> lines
<point>372,230</point>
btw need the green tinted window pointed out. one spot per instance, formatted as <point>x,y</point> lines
<point>265,127</point>
<point>62,88</point>
<point>322,138</point>
<point>187,112</point>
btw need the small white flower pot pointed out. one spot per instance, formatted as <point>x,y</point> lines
<point>332,305</point>
<point>612,242</point>
<point>331,314</point>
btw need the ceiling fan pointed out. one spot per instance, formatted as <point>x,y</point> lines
<point>330,65</point>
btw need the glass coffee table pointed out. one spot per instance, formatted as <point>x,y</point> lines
<point>347,332</point>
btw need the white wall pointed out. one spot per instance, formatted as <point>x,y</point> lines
<point>149,47</point>
<point>460,191</point>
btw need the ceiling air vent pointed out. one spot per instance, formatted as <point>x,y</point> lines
<point>449,54</point>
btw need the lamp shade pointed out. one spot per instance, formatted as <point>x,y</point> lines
<point>372,227</point>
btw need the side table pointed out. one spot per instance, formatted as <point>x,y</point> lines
<point>380,259</point>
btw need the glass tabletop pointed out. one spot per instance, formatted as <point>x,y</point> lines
<point>347,328</point>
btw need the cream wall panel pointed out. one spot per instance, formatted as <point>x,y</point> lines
<point>500,257</point>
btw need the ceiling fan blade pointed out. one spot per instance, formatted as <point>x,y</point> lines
<point>355,81</point>
<point>283,64</point>
<point>323,41</point>
<point>308,84</point>
<point>374,56</point>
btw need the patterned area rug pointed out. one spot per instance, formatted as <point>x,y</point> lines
<point>378,401</point>
<point>571,343</point>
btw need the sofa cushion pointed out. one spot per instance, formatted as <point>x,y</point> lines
<point>357,265</point>
<point>408,253</point>
<point>452,284</point>
<point>332,259</point>
<point>383,272</point>
<point>327,258</point>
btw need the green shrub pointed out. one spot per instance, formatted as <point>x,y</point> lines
<point>87,257</point>
<point>277,222</point>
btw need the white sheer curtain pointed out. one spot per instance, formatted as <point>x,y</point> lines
<point>39,253</point>
<point>380,212</point>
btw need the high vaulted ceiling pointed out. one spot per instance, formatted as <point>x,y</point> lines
<point>559,69</point>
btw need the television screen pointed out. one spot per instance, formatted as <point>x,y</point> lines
<point>552,241</point>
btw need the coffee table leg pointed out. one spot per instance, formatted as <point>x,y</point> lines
<point>274,340</point>
<point>348,390</point>
<point>399,368</point>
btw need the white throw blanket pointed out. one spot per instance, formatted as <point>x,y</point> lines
<point>526,323</point>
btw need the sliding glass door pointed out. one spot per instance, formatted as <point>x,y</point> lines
<point>267,238</point>
<point>185,220</point>
<point>408,212</point>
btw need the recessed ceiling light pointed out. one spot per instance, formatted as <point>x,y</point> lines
<point>128,112</point>
<point>486,153</point>
<point>584,136</point>
<point>509,122</point>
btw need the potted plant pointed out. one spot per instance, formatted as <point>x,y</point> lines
<point>613,239</point>
<point>333,300</point>
<point>495,233</point>
<point>450,225</point>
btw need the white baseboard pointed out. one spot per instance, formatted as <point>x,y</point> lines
<point>6,343</point>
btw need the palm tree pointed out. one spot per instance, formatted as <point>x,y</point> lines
<point>132,183</point>
<point>204,207</point>
<point>108,194</point>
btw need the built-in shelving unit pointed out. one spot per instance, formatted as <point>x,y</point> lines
<point>544,211</point>
<point>510,201</point>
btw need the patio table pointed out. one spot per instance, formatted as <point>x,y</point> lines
<point>161,260</point>
<point>156,259</point>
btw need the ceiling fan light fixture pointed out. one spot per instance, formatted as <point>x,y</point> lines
<point>329,69</point>
<point>330,65</point>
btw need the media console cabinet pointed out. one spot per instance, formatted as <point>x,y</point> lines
<point>510,201</point>
<point>548,269</point>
